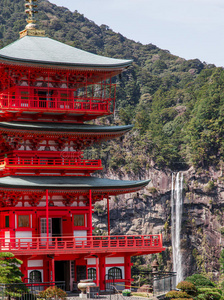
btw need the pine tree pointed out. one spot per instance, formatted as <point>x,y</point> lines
<point>10,275</point>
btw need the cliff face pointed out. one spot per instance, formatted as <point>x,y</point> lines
<point>149,212</point>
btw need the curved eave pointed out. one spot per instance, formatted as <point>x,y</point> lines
<point>50,128</point>
<point>76,183</point>
<point>63,127</point>
<point>90,67</point>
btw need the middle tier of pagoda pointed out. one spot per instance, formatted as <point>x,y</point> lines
<point>49,149</point>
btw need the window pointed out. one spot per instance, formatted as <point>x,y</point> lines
<point>23,221</point>
<point>79,220</point>
<point>6,221</point>
<point>92,273</point>
<point>115,272</point>
<point>35,276</point>
<point>43,225</point>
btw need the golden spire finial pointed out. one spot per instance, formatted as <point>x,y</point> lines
<point>31,27</point>
<point>30,10</point>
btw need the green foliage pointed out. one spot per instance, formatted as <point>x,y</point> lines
<point>210,186</point>
<point>199,281</point>
<point>10,274</point>
<point>201,297</point>
<point>210,295</point>
<point>126,292</point>
<point>187,287</point>
<point>177,294</point>
<point>98,208</point>
<point>53,292</point>
<point>207,289</point>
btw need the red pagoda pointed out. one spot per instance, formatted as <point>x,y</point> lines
<point>48,90</point>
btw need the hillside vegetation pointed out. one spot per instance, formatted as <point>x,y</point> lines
<point>176,105</point>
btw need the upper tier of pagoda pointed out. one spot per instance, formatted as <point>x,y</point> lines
<point>43,79</point>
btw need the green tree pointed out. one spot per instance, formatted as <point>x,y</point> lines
<point>10,274</point>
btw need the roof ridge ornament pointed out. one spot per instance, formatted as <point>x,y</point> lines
<point>31,27</point>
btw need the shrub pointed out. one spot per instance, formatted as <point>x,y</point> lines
<point>188,287</point>
<point>200,297</point>
<point>207,289</point>
<point>177,294</point>
<point>53,292</point>
<point>212,295</point>
<point>126,292</point>
<point>199,280</point>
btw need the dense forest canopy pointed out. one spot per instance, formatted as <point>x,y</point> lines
<point>176,105</point>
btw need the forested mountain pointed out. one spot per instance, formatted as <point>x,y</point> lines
<point>176,105</point>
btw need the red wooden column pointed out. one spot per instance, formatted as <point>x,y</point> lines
<point>102,273</point>
<point>108,214</point>
<point>127,271</point>
<point>97,271</point>
<point>52,269</point>
<point>90,214</point>
<point>24,268</point>
<point>47,215</point>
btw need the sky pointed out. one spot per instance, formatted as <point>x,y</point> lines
<point>187,28</point>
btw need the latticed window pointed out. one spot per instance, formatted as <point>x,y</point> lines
<point>115,272</point>
<point>43,225</point>
<point>92,273</point>
<point>35,276</point>
<point>79,220</point>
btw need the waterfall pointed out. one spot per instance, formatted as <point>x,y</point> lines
<point>176,219</point>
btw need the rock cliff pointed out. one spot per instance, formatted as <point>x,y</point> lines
<point>149,212</point>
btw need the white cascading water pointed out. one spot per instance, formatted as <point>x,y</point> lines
<point>176,219</point>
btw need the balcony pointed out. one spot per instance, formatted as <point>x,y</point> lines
<point>55,105</point>
<point>135,245</point>
<point>47,165</point>
<point>89,100</point>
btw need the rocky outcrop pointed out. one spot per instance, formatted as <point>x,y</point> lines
<point>149,212</point>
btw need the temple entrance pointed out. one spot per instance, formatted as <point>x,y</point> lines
<point>62,272</point>
<point>80,273</point>
<point>56,227</point>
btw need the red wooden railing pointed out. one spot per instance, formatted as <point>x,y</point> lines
<point>38,103</point>
<point>50,163</point>
<point>121,243</point>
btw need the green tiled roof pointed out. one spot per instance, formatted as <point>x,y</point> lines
<point>44,50</point>
<point>59,127</point>
<point>68,182</point>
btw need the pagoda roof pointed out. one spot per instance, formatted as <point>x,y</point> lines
<point>71,182</point>
<point>44,50</point>
<point>64,127</point>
